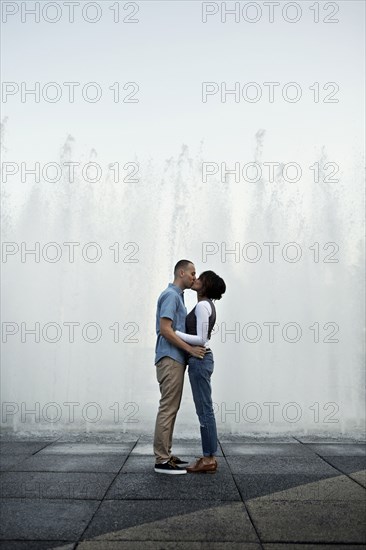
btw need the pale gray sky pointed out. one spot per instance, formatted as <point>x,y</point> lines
<point>169,53</point>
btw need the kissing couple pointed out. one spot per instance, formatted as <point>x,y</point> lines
<point>183,339</point>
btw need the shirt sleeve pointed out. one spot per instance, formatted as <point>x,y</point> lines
<point>203,312</point>
<point>168,306</point>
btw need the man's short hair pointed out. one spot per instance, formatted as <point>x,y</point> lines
<point>182,264</point>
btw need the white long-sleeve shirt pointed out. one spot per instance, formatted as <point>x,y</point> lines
<point>203,311</point>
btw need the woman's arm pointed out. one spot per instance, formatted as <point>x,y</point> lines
<point>203,312</point>
<point>167,331</point>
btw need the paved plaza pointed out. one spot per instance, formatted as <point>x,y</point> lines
<point>101,493</point>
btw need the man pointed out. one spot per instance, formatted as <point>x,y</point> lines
<point>170,361</point>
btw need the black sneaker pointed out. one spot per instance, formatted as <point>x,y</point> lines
<point>169,468</point>
<point>177,460</point>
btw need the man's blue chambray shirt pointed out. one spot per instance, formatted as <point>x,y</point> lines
<point>171,305</point>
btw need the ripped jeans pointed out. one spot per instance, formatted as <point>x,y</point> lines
<point>199,372</point>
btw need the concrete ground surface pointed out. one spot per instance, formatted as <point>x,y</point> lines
<point>101,493</point>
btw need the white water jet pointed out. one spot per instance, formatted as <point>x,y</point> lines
<point>310,387</point>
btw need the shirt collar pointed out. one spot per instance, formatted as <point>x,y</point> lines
<point>176,288</point>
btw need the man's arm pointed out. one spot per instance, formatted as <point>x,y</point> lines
<point>167,331</point>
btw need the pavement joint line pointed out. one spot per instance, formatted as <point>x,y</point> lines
<point>340,471</point>
<point>344,473</point>
<point>241,496</point>
<point>106,491</point>
<point>47,445</point>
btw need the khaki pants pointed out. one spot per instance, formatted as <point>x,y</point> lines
<point>170,375</point>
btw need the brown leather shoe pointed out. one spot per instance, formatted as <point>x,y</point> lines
<point>199,467</point>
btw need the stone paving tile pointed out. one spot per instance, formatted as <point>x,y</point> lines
<point>102,437</point>
<point>71,463</point>
<point>171,520</point>
<point>263,485</point>
<point>162,545</point>
<point>152,486</point>
<point>22,447</point>
<point>296,487</point>
<point>261,464</point>
<point>185,449</point>
<point>63,520</point>
<point>88,448</point>
<point>353,466</point>
<point>361,438</point>
<point>7,461</point>
<point>338,449</point>
<point>259,438</point>
<point>292,546</point>
<point>347,464</point>
<point>273,449</point>
<point>27,437</point>
<point>37,545</point>
<point>145,464</point>
<point>45,485</point>
<point>149,440</point>
<point>360,477</point>
<point>330,522</point>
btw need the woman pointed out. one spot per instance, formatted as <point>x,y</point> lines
<point>199,324</point>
